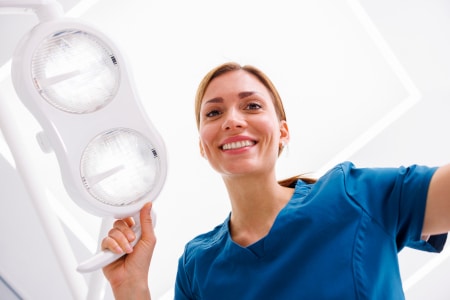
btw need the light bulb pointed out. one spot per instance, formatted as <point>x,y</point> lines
<point>75,71</point>
<point>119,167</point>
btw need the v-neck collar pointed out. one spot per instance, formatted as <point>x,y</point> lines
<point>259,248</point>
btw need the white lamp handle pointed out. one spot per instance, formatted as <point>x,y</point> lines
<point>105,257</point>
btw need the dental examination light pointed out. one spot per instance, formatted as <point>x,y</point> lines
<point>75,82</point>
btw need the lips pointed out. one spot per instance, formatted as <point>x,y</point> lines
<point>238,145</point>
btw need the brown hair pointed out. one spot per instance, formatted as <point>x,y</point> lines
<point>279,108</point>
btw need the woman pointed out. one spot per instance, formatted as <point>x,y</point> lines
<point>336,238</point>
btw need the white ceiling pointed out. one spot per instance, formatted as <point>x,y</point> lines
<point>366,81</point>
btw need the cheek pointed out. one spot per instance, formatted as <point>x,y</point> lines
<point>206,137</point>
<point>268,127</point>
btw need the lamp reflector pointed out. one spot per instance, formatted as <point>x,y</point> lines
<point>119,167</point>
<point>75,71</point>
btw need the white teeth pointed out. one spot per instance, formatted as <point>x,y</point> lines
<point>237,145</point>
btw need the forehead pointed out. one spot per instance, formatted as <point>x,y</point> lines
<point>234,83</point>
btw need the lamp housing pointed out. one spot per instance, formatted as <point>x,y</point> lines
<point>75,82</point>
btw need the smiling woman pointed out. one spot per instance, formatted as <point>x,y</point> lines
<point>337,237</point>
<point>263,101</point>
<point>245,113</point>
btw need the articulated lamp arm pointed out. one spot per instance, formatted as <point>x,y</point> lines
<point>44,9</point>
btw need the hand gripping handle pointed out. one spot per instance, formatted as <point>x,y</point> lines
<point>105,257</point>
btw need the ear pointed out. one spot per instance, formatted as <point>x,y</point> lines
<point>202,150</point>
<point>284,133</point>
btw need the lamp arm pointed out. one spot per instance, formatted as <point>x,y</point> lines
<point>45,10</point>
<point>20,144</point>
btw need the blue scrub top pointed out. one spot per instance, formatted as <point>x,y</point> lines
<point>336,239</point>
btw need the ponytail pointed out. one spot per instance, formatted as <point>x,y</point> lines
<point>292,181</point>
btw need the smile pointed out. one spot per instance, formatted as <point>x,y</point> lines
<point>237,145</point>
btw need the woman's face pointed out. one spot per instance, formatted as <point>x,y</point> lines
<point>240,132</point>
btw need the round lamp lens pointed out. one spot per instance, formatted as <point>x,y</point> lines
<point>119,167</point>
<point>75,71</point>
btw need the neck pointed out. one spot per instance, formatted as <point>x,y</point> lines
<point>256,202</point>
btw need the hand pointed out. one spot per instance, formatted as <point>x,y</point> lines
<point>128,275</point>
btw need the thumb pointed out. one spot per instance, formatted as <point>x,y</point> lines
<point>147,224</point>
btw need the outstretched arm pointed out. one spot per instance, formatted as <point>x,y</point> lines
<point>128,276</point>
<point>437,213</point>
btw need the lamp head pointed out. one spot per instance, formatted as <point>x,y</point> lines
<point>75,82</point>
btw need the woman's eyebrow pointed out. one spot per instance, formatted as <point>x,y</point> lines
<point>246,94</point>
<point>214,100</point>
<point>241,95</point>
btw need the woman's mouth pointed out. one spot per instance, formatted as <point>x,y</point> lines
<point>238,145</point>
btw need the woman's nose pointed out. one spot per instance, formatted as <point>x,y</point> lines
<point>233,120</point>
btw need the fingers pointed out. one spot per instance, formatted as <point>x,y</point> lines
<point>120,236</point>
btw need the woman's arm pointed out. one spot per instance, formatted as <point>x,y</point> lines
<point>128,276</point>
<point>437,213</point>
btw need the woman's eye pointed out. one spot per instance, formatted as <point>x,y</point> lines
<point>212,113</point>
<point>253,106</point>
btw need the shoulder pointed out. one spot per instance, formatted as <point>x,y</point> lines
<point>350,173</point>
<point>370,186</point>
